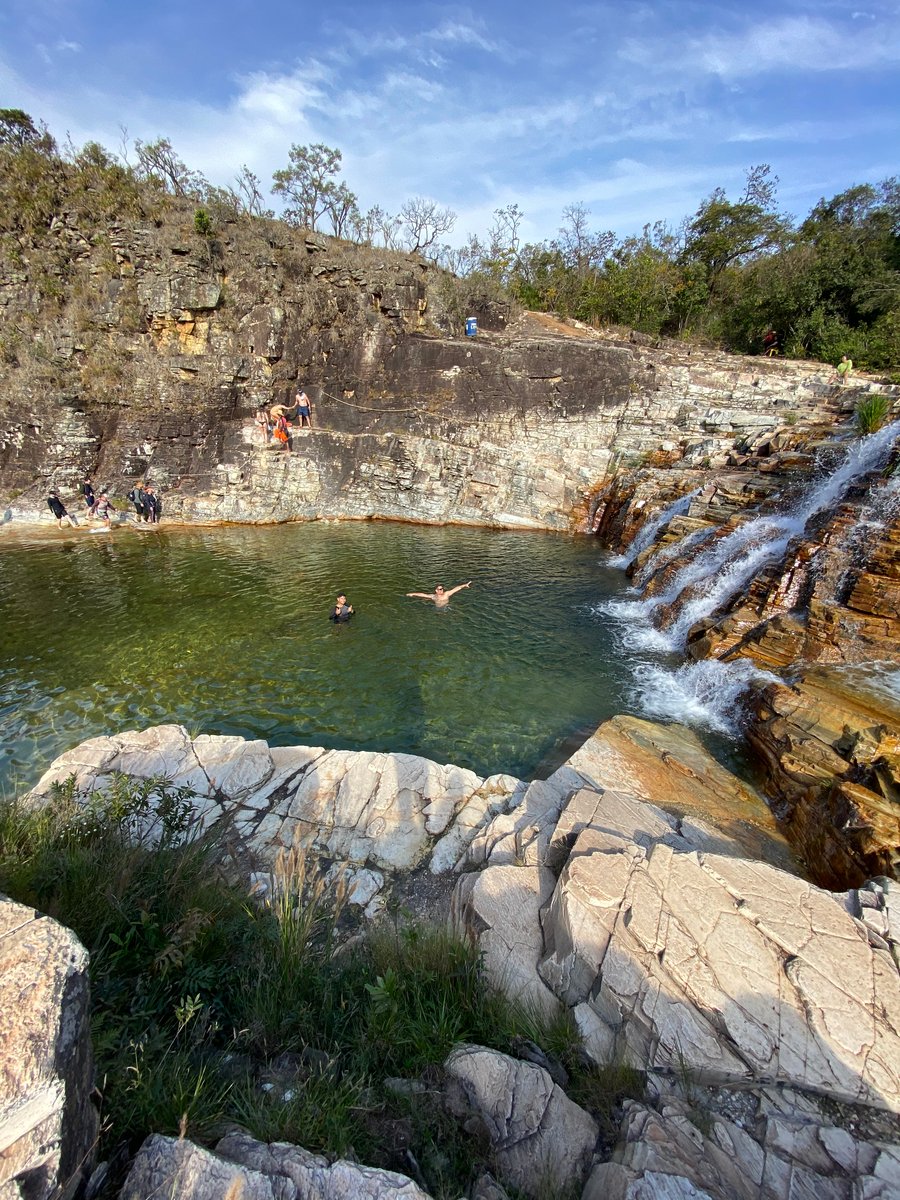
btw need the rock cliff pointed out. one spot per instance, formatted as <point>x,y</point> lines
<point>137,350</point>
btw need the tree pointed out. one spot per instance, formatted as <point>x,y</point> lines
<point>423,222</point>
<point>343,210</point>
<point>583,250</point>
<point>158,162</point>
<point>249,191</point>
<point>722,233</point>
<point>306,184</point>
<point>18,131</point>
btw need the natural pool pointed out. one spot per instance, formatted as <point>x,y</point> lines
<point>226,630</point>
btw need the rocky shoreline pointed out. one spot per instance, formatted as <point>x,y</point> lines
<point>763,1012</point>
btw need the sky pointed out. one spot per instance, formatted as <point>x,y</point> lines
<point>635,111</point>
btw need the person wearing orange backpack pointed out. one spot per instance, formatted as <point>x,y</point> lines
<point>281,432</point>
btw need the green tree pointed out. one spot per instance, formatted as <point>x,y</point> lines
<point>307,184</point>
<point>722,233</point>
<point>18,131</point>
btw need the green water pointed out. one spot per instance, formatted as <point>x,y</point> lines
<point>226,630</point>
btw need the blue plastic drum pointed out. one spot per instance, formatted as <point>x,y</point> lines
<point>471,326</point>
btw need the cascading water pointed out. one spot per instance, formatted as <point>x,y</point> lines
<point>647,533</point>
<point>659,558</point>
<point>705,693</point>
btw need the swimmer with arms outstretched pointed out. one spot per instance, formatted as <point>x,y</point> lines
<point>439,596</point>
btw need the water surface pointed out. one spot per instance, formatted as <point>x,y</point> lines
<point>226,630</point>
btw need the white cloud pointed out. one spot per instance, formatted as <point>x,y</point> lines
<point>790,43</point>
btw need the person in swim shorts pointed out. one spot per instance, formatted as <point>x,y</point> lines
<point>439,596</point>
<point>303,405</point>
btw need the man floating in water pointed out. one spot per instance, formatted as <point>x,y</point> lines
<point>439,596</point>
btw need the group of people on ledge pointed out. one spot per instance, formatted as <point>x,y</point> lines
<point>147,505</point>
<point>275,423</point>
<point>343,611</point>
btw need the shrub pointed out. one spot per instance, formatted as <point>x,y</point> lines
<point>871,413</point>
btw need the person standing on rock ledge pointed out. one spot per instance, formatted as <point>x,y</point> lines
<point>303,405</point>
<point>439,596</point>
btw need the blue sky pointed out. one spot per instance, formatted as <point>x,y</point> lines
<point>635,110</point>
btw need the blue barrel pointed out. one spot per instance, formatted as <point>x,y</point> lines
<point>471,326</point>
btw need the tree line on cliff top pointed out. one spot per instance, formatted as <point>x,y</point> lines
<point>827,285</point>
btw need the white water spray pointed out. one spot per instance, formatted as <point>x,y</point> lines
<point>647,533</point>
<point>706,693</point>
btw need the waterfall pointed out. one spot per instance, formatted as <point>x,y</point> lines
<point>705,693</point>
<point>718,569</point>
<point>647,533</point>
<point>664,554</point>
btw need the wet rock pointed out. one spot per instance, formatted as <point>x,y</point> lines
<point>830,746</point>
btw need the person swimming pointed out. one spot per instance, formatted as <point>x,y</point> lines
<point>439,595</point>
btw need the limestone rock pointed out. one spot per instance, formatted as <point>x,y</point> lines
<point>730,969</point>
<point>174,1167</point>
<point>243,1167</point>
<point>541,1140</point>
<point>295,1173</point>
<point>383,809</point>
<point>500,906</point>
<point>668,766</point>
<point>684,1151</point>
<point>48,1125</point>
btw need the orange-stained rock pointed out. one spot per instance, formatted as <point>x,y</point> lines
<point>668,765</point>
<point>830,748</point>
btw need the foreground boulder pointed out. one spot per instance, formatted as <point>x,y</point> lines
<point>243,1167</point>
<point>383,809</point>
<point>542,1142</point>
<point>774,1146</point>
<point>678,958</point>
<point>48,1126</point>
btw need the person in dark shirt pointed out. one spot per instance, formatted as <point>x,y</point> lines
<point>136,496</point>
<point>342,611</point>
<point>152,504</point>
<point>58,509</point>
<point>90,500</point>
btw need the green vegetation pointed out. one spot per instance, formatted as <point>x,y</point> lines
<point>871,413</point>
<point>211,1007</point>
<point>827,285</point>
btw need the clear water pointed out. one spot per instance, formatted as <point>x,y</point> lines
<point>226,630</point>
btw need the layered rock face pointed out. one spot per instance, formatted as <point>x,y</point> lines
<point>157,347</point>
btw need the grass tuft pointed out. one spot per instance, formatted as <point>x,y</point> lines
<point>871,413</point>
